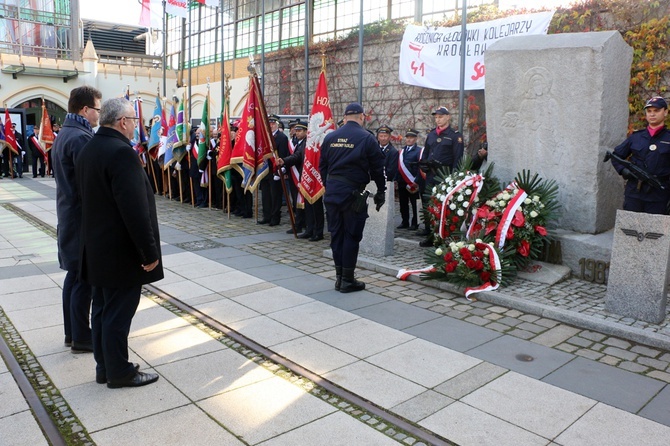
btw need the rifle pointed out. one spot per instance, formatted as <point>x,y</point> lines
<point>641,175</point>
<point>427,165</point>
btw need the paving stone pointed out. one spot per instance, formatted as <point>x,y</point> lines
<point>663,376</point>
<point>531,327</point>
<point>477,320</point>
<point>619,353</point>
<point>581,342</point>
<point>567,347</point>
<point>512,322</point>
<point>646,351</point>
<point>513,313</point>
<point>609,360</point>
<point>498,327</point>
<point>590,354</point>
<point>616,342</point>
<point>653,363</point>
<point>470,380</point>
<point>632,367</point>
<point>549,323</point>
<point>529,318</point>
<point>592,335</point>
<point>555,335</point>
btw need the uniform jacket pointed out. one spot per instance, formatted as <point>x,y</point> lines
<point>64,153</point>
<point>639,147</point>
<point>298,155</point>
<point>352,153</point>
<point>119,222</point>
<point>390,161</point>
<point>410,160</point>
<point>446,148</point>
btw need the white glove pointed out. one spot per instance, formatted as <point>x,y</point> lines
<point>283,169</point>
<point>23,153</point>
<point>209,157</point>
<point>201,171</point>
<point>177,166</point>
<point>276,178</point>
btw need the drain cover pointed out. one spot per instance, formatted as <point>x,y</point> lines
<point>523,357</point>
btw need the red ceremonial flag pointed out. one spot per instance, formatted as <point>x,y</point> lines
<point>254,142</point>
<point>10,138</point>
<point>225,151</point>
<point>320,124</point>
<point>46,136</point>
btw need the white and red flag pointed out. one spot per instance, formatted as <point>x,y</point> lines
<point>10,138</point>
<point>254,142</point>
<point>320,124</point>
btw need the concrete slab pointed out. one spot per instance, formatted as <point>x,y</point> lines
<point>313,355</point>
<point>213,373</point>
<point>269,301</point>
<point>349,301</point>
<point>422,406</point>
<point>265,331</point>
<point>607,425</point>
<point>521,356</point>
<point>453,333</point>
<point>184,290</point>
<point>470,380</point>
<point>173,345</point>
<point>183,425</point>
<point>152,318</point>
<point>168,277</point>
<point>173,261</point>
<point>423,362</point>
<point>221,253</point>
<point>247,261</point>
<point>226,311</point>
<point>266,409</point>
<point>203,268</point>
<point>12,398</point>
<point>276,272</point>
<point>21,429</point>
<point>315,284</point>
<point>396,314</point>
<point>312,317</point>
<point>18,284</point>
<point>45,341</point>
<point>34,318</point>
<point>31,299</point>
<point>237,241</point>
<point>167,250</point>
<point>658,409</point>
<point>375,384</point>
<point>228,281</point>
<point>337,429</point>
<point>533,405</point>
<point>610,385</point>
<point>347,337</point>
<point>466,425</point>
<point>98,407</point>
<point>67,369</point>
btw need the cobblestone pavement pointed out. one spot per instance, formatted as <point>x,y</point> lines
<point>573,295</point>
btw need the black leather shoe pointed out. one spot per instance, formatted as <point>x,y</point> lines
<point>274,223</point>
<point>316,238</point>
<point>423,232</point>
<point>263,222</point>
<point>82,347</point>
<point>426,243</point>
<point>305,235</point>
<point>137,380</point>
<point>403,226</point>
<point>413,227</point>
<point>102,379</point>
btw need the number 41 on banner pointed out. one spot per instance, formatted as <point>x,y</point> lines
<point>416,68</point>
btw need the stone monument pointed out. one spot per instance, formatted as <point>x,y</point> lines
<point>379,227</point>
<point>555,104</point>
<point>638,277</point>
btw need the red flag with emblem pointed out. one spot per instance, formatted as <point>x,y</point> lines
<point>10,138</point>
<point>320,124</point>
<point>254,142</point>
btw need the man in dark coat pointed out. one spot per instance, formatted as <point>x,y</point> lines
<point>408,180</point>
<point>390,152</point>
<point>83,114</point>
<point>120,243</point>
<point>271,189</point>
<point>350,157</point>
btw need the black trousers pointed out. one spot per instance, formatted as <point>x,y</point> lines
<point>346,232</point>
<point>404,200</point>
<point>314,218</point>
<point>76,308</point>
<point>299,214</point>
<point>649,207</point>
<point>112,313</point>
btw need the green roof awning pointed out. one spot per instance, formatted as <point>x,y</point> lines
<point>16,70</point>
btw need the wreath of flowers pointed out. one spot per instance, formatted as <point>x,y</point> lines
<point>476,265</point>
<point>453,200</point>
<point>518,217</point>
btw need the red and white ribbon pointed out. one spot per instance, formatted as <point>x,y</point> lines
<point>295,177</point>
<point>403,274</point>
<point>470,180</point>
<point>508,216</point>
<point>494,261</point>
<point>405,173</point>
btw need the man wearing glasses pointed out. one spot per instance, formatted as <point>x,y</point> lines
<point>83,114</point>
<point>120,243</point>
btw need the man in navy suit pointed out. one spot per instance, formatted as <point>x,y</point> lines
<point>408,179</point>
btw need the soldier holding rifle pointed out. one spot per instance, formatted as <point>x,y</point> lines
<point>643,159</point>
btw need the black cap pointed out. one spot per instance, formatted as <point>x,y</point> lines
<point>412,132</point>
<point>274,118</point>
<point>385,129</point>
<point>657,102</point>
<point>292,123</point>
<point>300,125</point>
<point>441,111</point>
<point>353,109</point>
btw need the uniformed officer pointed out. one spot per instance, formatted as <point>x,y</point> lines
<point>648,149</point>
<point>444,148</point>
<point>296,159</point>
<point>390,152</point>
<point>350,157</point>
<point>271,190</point>
<point>408,179</point>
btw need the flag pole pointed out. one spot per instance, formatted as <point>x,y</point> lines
<point>11,161</point>
<point>226,98</point>
<point>209,146</point>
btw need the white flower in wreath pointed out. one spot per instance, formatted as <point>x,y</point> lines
<point>536,198</point>
<point>438,252</point>
<point>454,248</point>
<point>468,191</point>
<point>505,196</point>
<point>460,244</point>
<point>460,212</point>
<point>460,198</point>
<point>471,248</point>
<point>502,203</point>
<point>465,204</point>
<point>533,214</point>
<point>486,252</point>
<point>527,201</point>
<point>434,190</point>
<point>452,206</point>
<point>490,203</point>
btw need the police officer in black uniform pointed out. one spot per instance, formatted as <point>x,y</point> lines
<point>296,159</point>
<point>390,152</point>
<point>408,190</point>
<point>350,157</point>
<point>444,148</point>
<point>649,149</point>
<point>271,190</point>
